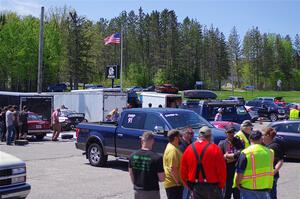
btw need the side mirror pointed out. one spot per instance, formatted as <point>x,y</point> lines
<point>159,130</point>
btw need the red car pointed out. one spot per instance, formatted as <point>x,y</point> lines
<point>222,124</point>
<point>37,126</point>
<point>166,88</point>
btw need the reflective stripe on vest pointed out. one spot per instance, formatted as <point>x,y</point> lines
<point>242,137</point>
<point>294,114</point>
<point>255,177</point>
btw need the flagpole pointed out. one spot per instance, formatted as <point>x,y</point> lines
<point>121,69</point>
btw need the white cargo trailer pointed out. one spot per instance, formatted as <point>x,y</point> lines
<point>95,104</point>
<point>166,100</point>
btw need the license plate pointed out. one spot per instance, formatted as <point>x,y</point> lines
<point>38,126</point>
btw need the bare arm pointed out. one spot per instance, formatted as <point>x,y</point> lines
<point>131,175</point>
<point>278,166</point>
<point>238,179</point>
<point>175,174</point>
<point>161,176</point>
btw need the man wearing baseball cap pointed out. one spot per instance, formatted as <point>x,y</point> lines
<point>255,173</point>
<point>243,134</point>
<point>203,168</point>
<point>230,147</point>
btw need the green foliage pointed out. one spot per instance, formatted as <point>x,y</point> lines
<point>157,49</point>
<point>160,77</point>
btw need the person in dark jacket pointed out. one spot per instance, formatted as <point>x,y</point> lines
<point>270,142</point>
<point>2,124</point>
<point>3,119</point>
<point>231,148</point>
<point>23,119</point>
<point>187,136</point>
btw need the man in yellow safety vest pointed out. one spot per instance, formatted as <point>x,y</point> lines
<point>243,134</point>
<point>255,172</point>
<point>294,113</point>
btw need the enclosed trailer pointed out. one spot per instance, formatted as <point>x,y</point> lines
<point>94,103</point>
<point>166,100</point>
<point>40,103</point>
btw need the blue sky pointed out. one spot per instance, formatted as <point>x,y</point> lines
<point>272,16</point>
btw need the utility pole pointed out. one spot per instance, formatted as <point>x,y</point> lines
<point>40,63</point>
<point>121,69</point>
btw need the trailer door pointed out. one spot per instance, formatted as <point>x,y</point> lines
<point>39,105</point>
<point>112,101</point>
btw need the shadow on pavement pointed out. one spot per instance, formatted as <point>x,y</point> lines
<point>291,160</point>
<point>115,164</point>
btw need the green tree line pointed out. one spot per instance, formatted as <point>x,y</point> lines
<point>157,49</point>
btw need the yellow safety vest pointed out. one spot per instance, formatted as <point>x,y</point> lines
<point>294,114</point>
<point>259,173</point>
<point>243,138</point>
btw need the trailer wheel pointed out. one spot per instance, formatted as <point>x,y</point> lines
<point>96,156</point>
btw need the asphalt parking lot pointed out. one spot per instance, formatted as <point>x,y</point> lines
<point>56,170</point>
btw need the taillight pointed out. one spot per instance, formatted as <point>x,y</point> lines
<point>77,133</point>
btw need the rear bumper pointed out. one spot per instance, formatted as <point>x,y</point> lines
<point>38,131</point>
<point>80,146</point>
<point>20,191</point>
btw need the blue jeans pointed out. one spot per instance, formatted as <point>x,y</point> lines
<point>186,193</point>
<point>252,194</point>
<point>10,134</point>
<point>273,192</point>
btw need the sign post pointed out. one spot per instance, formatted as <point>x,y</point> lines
<point>112,73</point>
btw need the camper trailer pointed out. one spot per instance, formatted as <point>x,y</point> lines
<point>165,100</point>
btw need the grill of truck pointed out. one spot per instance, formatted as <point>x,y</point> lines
<point>6,177</point>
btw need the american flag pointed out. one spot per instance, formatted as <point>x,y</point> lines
<point>113,39</point>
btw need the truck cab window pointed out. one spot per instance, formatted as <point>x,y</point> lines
<point>134,120</point>
<point>152,121</point>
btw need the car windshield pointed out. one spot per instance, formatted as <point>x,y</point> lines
<point>34,117</point>
<point>240,110</point>
<point>184,119</point>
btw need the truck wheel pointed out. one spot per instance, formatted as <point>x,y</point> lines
<point>96,155</point>
<point>40,137</point>
<point>273,117</point>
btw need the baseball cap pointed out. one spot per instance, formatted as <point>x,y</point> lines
<point>205,131</point>
<point>247,123</point>
<point>220,109</point>
<point>255,135</point>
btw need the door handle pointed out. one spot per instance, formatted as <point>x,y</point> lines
<point>120,135</point>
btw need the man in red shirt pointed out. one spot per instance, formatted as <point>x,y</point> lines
<point>203,168</point>
<point>55,124</point>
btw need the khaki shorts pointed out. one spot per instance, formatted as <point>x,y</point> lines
<point>56,127</point>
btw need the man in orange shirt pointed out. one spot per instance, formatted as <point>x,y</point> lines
<point>203,168</point>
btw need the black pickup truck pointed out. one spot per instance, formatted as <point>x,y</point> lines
<point>121,139</point>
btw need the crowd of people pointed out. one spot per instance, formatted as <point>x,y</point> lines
<point>244,166</point>
<point>13,124</point>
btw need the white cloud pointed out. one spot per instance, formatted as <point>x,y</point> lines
<point>21,7</point>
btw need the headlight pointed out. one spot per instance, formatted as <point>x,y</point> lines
<point>19,170</point>
<point>18,180</point>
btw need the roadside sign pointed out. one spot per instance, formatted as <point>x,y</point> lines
<point>112,72</point>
